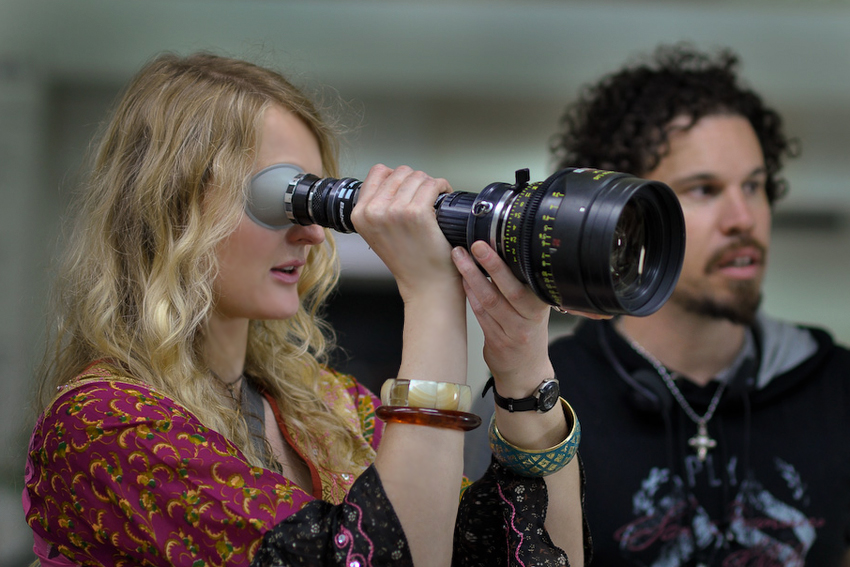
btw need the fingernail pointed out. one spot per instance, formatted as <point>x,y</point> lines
<point>457,252</point>
<point>479,250</point>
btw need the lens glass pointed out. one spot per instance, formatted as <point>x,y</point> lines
<point>629,248</point>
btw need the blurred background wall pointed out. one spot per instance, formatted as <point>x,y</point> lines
<point>464,89</point>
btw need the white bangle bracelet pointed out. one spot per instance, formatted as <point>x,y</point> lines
<point>426,394</point>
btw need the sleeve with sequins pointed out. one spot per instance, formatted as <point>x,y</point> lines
<point>363,531</point>
<point>501,520</point>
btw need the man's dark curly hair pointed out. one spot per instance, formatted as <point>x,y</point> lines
<point>621,123</point>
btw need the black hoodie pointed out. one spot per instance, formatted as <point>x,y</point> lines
<point>774,491</point>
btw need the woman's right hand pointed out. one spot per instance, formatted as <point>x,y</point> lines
<point>420,467</point>
<point>395,215</point>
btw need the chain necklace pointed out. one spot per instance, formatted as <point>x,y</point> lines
<point>701,442</point>
<point>230,386</point>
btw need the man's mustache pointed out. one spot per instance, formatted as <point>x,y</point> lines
<point>740,243</point>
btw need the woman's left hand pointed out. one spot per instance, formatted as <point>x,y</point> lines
<point>513,319</point>
<point>516,335</point>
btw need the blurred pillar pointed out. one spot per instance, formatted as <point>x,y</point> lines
<point>23,123</point>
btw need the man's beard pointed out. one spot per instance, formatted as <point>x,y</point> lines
<point>741,310</point>
<point>738,302</point>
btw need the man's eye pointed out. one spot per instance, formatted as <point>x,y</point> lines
<point>702,191</point>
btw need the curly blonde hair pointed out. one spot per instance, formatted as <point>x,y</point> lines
<point>136,283</point>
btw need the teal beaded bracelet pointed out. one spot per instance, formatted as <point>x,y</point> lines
<point>537,463</point>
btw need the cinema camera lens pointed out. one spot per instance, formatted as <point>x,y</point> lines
<point>583,239</point>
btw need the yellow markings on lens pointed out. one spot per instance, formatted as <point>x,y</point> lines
<point>545,225</point>
<point>511,235</point>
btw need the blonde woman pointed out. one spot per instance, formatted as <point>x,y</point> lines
<point>187,414</point>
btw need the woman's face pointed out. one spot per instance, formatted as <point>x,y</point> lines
<point>260,267</point>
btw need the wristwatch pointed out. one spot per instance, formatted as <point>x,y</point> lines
<point>543,399</point>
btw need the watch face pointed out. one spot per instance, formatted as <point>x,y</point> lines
<point>549,394</point>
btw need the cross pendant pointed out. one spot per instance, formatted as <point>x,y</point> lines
<point>702,442</point>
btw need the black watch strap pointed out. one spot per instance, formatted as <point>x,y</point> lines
<point>531,403</point>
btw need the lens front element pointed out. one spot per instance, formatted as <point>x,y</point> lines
<point>628,249</point>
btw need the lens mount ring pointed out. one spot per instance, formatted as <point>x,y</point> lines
<point>496,228</point>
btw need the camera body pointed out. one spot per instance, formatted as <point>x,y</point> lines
<point>585,239</point>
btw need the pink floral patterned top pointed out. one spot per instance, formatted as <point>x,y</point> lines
<point>119,474</point>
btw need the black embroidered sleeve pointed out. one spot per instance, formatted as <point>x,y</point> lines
<point>500,523</point>
<point>361,532</point>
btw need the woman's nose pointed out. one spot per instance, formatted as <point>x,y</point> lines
<point>306,234</point>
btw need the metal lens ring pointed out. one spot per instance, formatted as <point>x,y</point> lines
<point>512,232</point>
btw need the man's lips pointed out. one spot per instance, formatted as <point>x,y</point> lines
<point>742,259</point>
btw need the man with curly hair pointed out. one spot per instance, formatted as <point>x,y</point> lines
<point>713,433</point>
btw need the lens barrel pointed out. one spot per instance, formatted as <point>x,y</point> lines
<point>599,241</point>
<point>584,239</point>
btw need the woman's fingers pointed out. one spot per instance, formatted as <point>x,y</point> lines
<point>397,195</point>
<point>502,300</point>
<point>515,293</point>
<point>513,320</point>
<point>374,180</point>
<point>395,215</point>
<point>483,295</point>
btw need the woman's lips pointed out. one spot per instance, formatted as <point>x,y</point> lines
<point>287,273</point>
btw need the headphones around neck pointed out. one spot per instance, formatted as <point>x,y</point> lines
<point>646,390</point>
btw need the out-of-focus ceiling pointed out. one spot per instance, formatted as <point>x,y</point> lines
<point>530,49</point>
<point>521,53</point>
